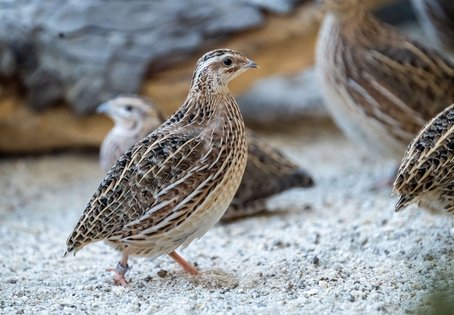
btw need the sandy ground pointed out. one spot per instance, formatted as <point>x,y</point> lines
<point>337,248</point>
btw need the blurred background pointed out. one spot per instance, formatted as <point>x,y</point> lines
<point>339,244</point>
<point>58,61</point>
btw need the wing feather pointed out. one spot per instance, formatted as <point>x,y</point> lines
<point>147,186</point>
<point>399,77</point>
<point>429,160</point>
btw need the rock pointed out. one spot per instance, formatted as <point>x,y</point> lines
<point>283,99</point>
<point>81,51</point>
<point>24,130</point>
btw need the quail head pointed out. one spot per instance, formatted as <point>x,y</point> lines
<point>134,118</point>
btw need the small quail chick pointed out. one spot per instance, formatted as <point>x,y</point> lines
<point>437,19</point>
<point>134,118</point>
<point>174,185</point>
<point>426,175</point>
<point>381,87</point>
<point>268,171</point>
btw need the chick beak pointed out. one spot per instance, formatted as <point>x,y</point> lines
<point>103,108</point>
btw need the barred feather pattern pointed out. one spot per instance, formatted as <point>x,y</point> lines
<point>176,183</point>
<point>381,87</point>
<point>426,174</point>
<point>268,171</point>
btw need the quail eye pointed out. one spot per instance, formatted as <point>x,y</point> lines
<point>227,61</point>
<point>128,108</point>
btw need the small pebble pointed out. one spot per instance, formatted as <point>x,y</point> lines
<point>162,273</point>
<point>311,292</point>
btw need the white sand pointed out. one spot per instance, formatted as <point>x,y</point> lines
<point>339,247</point>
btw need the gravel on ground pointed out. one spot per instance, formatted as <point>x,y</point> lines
<point>336,248</point>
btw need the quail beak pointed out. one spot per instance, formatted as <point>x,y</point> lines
<point>103,108</point>
<point>251,64</point>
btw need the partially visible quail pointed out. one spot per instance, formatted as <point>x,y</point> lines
<point>426,175</point>
<point>381,87</point>
<point>268,171</point>
<point>134,118</point>
<point>437,19</point>
<point>171,187</point>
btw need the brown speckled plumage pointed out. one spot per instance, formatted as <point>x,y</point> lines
<point>268,171</point>
<point>381,86</point>
<point>175,184</point>
<point>426,175</point>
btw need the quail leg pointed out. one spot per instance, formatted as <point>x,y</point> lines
<point>120,270</point>
<point>184,264</point>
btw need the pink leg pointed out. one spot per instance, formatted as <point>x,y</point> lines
<point>184,264</point>
<point>121,269</point>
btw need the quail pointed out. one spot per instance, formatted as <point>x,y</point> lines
<point>172,186</point>
<point>381,87</point>
<point>268,170</point>
<point>426,174</point>
<point>134,118</point>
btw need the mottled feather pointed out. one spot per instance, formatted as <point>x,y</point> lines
<point>268,171</point>
<point>426,174</point>
<point>171,187</point>
<point>381,86</point>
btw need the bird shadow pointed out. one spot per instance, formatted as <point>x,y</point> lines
<point>262,214</point>
<point>215,279</point>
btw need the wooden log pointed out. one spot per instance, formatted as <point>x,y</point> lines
<point>283,44</point>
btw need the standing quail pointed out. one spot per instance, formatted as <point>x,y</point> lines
<point>174,185</point>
